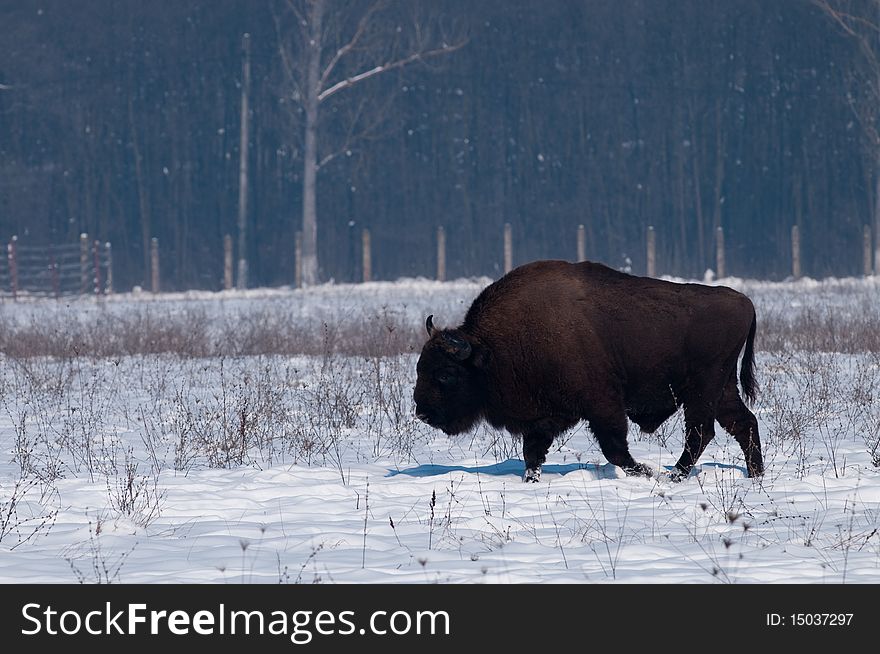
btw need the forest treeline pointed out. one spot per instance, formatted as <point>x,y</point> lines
<point>122,119</point>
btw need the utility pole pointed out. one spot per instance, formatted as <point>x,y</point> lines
<point>243,162</point>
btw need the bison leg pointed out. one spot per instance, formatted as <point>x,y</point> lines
<point>537,438</point>
<point>700,427</point>
<point>611,434</point>
<point>741,423</point>
<point>535,448</point>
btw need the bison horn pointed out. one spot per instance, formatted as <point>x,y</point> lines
<point>429,325</point>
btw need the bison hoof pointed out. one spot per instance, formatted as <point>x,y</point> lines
<point>639,470</point>
<point>677,474</point>
<point>532,475</point>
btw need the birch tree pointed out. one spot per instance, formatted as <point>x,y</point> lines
<point>330,47</point>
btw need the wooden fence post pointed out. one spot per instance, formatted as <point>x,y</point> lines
<point>11,251</point>
<point>53,273</point>
<point>109,289</point>
<point>83,263</point>
<point>508,248</point>
<point>96,264</point>
<point>720,262</point>
<point>227,262</point>
<point>367,254</point>
<point>867,268</point>
<point>298,255</point>
<point>581,243</point>
<point>795,252</point>
<point>154,264</point>
<point>441,254</point>
<point>652,251</point>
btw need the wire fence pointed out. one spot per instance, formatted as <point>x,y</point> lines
<point>56,270</point>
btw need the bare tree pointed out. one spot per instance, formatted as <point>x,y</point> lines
<point>330,46</point>
<point>860,21</point>
<point>243,153</point>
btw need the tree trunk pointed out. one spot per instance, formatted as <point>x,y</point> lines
<point>243,163</point>
<point>877,182</point>
<point>143,202</point>
<point>719,168</point>
<point>310,156</point>
<point>696,146</point>
<point>877,220</point>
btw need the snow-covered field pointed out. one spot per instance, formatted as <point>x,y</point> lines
<point>309,466</point>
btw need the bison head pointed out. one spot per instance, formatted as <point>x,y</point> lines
<point>450,387</point>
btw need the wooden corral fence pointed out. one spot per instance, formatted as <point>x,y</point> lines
<point>56,270</point>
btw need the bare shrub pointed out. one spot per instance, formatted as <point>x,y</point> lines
<point>329,411</point>
<point>865,407</point>
<point>134,494</point>
<point>23,515</point>
<point>91,564</point>
<point>60,413</point>
<point>390,385</point>
<point>35,450</point>
<point>227,425</point>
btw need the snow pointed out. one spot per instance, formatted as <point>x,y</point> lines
<point>158,468</point>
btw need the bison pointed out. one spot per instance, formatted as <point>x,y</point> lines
<point>553,343</point>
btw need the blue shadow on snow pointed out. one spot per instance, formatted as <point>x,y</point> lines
<point>509,467</point>
<point>517,467</point>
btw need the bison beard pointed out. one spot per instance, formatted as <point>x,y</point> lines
<point>553,343</point>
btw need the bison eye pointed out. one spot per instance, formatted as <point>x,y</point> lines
<point>444,378</point>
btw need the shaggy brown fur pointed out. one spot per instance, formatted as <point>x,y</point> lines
<point>552,343</point>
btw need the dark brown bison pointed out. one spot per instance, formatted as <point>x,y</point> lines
<point>552,343</point>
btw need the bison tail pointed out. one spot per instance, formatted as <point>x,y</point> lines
<point>747,370</point>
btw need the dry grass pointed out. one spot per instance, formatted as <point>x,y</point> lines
<point>820,329</point>
<point>193,333</point>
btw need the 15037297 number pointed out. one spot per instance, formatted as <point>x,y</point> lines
<point>809,619</point>
<point>821,619</point>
